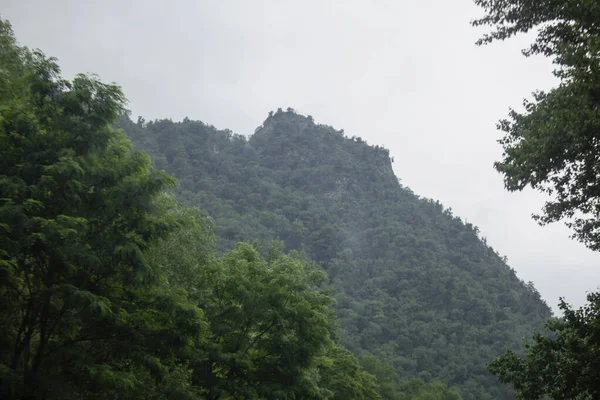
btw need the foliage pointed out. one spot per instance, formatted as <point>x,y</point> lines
<point>568,31</point>
<point>81,313</point>
<point>563,365</point>
<point>270,321</point>
<point>414,389</point>
<point>554,145</point>
<point>387,379</point>
<point>415,286</point>
<point>342,374</point>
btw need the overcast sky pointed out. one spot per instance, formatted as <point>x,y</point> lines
<point>402,74</point>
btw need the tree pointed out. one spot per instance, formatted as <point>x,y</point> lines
<point>568,31</point>
<point>416,389</point>
<point>554,145</point>
<point>384,373</point>
<point>343,377</point>
<point>565,365</point>
<point>82,311</point>
<point>268,322</point>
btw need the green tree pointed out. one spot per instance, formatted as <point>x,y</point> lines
<point>565,365</point>
<point>383,372</point>
<point>270,324</point>
<point>268,321</point>
<point>553,146</point>
<point>344,378</point>
<point>567,31</point>
<point>416,389</point>
<point>82,313</point>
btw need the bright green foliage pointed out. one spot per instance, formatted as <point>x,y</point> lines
<point>564,365</point>
<point>387,380</point>
<point>415,285</point>
<point>414,389</point>
<point>341,373</point>
<point>12,63</point>
<point>554,145</point>
<point>81,311</point>
<point>271,326</point>
<point>267,321</point>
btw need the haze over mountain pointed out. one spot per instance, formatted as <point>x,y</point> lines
<point>415,285</point>
<point>405,75</point>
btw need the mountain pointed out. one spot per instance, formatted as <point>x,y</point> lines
<point>415,285</point>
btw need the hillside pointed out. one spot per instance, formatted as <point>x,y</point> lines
<point>415,285</point>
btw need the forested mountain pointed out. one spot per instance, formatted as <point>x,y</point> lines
<point>110,289</point>
<point>415,285</point>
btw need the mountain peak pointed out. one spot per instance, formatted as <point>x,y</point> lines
<point>287,139</point>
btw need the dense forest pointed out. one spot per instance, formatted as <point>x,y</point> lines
<point>172,260</point>
<point>414,285</point>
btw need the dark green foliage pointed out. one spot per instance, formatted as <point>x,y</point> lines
<point>81,310</point>
<point>415,389</point>
<point>568,31</point>
<point>554,145</point>
<point>415,285</point>
<point>564,365</point>
<point>560,133</point>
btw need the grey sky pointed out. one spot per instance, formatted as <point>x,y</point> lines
<point>402,74</point>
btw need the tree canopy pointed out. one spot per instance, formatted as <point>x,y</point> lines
<point>564,365</point>
<point>79,309</point>
<point>554,145</point>
<point>567,31</point>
